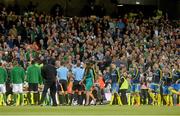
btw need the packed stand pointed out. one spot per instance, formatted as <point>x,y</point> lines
<point>124,61</point>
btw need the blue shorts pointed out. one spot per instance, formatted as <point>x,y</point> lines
<point>115,87</point>
<point>165,90</point>
<point>135,88</point>
<point>176,87</point>
<point>155,87</point>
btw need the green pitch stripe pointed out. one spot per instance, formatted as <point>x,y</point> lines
<point>90,110</point>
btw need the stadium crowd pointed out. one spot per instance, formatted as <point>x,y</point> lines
<point>125,61</point>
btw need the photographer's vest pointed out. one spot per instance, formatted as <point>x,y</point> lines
<point>125,84</point>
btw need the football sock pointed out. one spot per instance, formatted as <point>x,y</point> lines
<point>147,101</point>
<point>36,98</point>
<point>4,98</point>
<point>21,98</point>
<point>119,100</point>
<point>15,96</point>
<point>138,100</point>
<point>153,97</point>
<point>132,100</point>
<point>129,99</point>
<point>112,98</point>
<point>170,100</point>
<point>1,101</point>
<point>25,100</point>
<point>32,98</point>
<point>166,98</point>
<point>159,99</point>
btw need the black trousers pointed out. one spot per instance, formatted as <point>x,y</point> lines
<point>52,87</point>
<point>123,96</point>
<point>144,95</point>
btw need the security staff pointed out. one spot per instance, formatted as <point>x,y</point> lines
<point>123,88</point>
<point>49,72</point>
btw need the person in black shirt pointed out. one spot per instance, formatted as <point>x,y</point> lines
<point>48,72</point>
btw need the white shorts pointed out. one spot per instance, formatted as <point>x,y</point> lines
<point>17,88</point>
<point>2,88</point>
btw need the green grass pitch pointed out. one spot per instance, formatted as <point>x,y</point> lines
<point>89,110</point>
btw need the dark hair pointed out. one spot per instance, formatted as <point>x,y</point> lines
<point>51,61</point>
<point>88,67</point>
<point>78,64</point>
<point>15,63</point>
<point>33,62</point>
<point>62,63</point>
<point>44,61</point>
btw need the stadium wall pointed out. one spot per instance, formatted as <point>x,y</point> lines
<point>74,7</point>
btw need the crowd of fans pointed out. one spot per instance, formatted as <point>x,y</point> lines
<point>131,50</point>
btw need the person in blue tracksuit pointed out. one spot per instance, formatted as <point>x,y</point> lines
<point>175,86</point>
<point>155,85</point>
<point>166,83</point>
<point>114,79</point>
<point>135,84</point>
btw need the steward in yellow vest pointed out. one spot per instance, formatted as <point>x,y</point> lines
<point>123,88</point>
